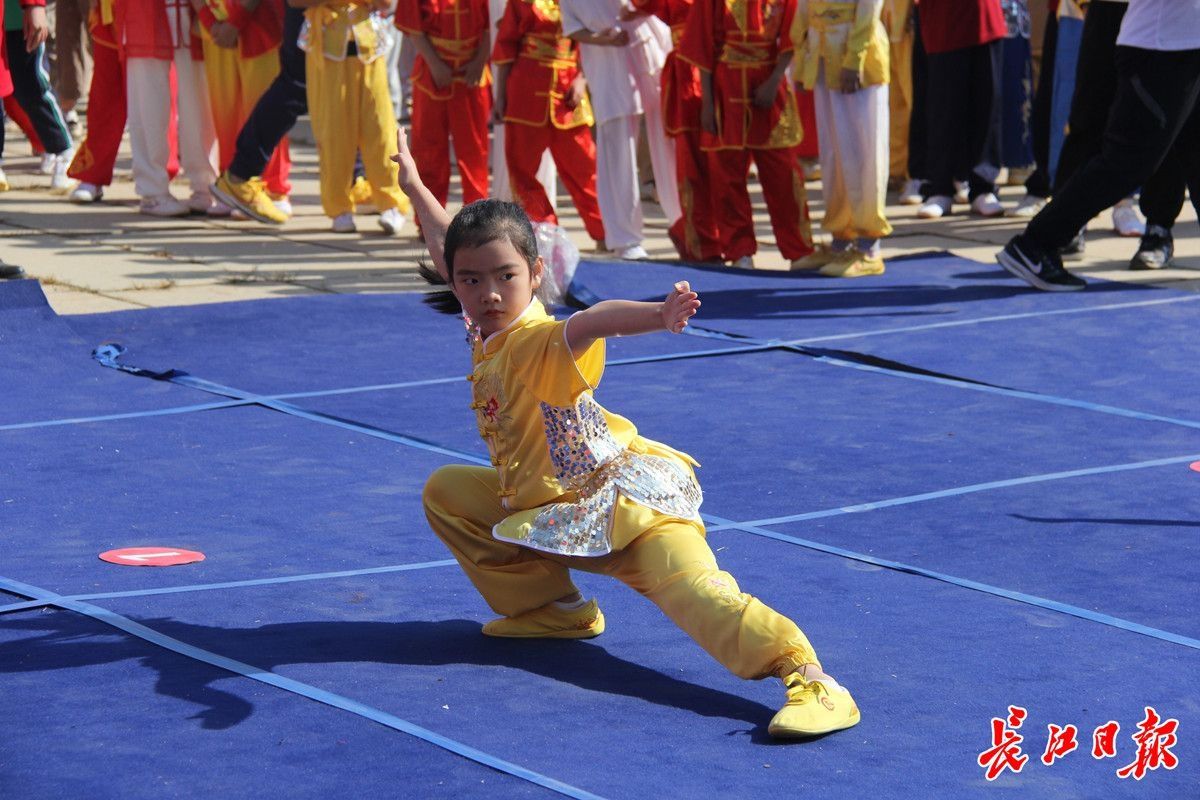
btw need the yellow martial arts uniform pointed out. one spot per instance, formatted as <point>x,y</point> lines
<point>851,127</point>
<point>574,486</point>
<point>350,106</point>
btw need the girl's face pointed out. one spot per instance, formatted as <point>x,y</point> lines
<point>494,284</point>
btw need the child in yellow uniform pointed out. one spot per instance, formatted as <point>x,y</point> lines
<point>843,60</point>
<point>573,486</point>
<point>351,109</point>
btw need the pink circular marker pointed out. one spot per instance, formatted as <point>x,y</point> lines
<point>1195,465</point>
<point>151,556</point>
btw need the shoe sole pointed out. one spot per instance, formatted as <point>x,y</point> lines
<point>1018,269</point>
<point>233,202</point>
<point>583,633</point>
<point>793,733</point>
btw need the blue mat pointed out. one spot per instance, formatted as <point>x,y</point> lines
<point>328,645</point>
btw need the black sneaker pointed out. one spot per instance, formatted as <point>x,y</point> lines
<point>10,271</point>
<point>1041,269</point>
<point>1155,250</point>
<point>1074,249</point>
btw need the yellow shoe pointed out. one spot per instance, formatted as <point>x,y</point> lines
<point>550,622</point>
<point>3,181</point>
<point>858,265</point>
<point>817,259</point>
<point>249,197</point>
<point>812,710</point>
<point>360,192</point>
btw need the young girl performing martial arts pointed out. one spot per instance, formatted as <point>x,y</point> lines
<point>573,485</point>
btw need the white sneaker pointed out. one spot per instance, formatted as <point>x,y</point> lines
<point>284,205</point>
<point>4,187</point>
<point>163,205</point>
<point>391,220</point>
<point>935,207</point>
<point>987,205</point>
<point>47,165</point>
<point>344,223</point>
<point>200,202</point>
<point>634,252</point>
<point>59,180</point>
<point>72,119</point>
<point>219,210</point>
<point>86,193</point>
<point>910,195</point>
<point>1027,206</point>
<point>1126,220</point>
<point>745,262</point>
<point>962,191</point>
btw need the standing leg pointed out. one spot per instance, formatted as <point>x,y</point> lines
<point>616,182</point>
<point>149,91</point>
<point>524,146</point>
<point>731,200</point>
<point>695,233</point>
<point>333,106</point>
<point>377,137</point>
<point>662,154</point>
<point>575,156</point>
<point>430,143</point>
<point>96,155</point>
<point>197,133</point>
<point>469,126</point>
<point>782,181</point>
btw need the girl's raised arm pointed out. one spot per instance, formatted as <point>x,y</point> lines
<point>630,317</point>
<point>433,217</point>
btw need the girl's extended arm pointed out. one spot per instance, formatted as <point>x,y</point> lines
<point>629,317</point>
<point>434,219</point>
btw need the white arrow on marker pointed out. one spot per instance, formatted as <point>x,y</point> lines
<point>148,556</point>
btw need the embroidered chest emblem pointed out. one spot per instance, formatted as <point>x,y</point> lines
<point>489,400</point>
<point>490,408</point>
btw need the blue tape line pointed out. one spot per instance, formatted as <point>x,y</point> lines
<point>1041,602</point>
<point>128,415</point>
<point>960,490</point>
<point>302,689</point>
<point>202,587</point>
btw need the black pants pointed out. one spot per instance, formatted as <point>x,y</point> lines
<point>1038,183</point>
<point>963,117</point>
<point>32,91</point>
<point>918,137</point>
<point>279,107</point>
<point>1155,106</point>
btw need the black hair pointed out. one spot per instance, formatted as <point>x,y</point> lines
<point>473,226</point>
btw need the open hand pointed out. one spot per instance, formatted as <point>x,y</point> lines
<point>764,94</point>
<point>36,28</point>
<point>576,93</point>
<point>440,72</point>
<point>224,35</point>
<point>679,307</point>
<point>614,37</point>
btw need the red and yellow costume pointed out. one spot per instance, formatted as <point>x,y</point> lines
<point>544,64</point>
<point>94,160</point>
<point>739,42</point>
<point>695,233</point>
<point>238,76</point>
<point>455,29</point>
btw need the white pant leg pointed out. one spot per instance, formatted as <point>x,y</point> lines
<point>662,150</point>
<point>861,118</point>
<point>148,87</point>
<point>197,135</point>
<point>831,155</point>
<point>616,181</point>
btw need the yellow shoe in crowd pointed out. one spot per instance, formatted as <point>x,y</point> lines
<point>813,709</point>
<point>857,265</point>
<point>550,622</point>
<point>249,197</point>
<point>818,258</point>
<point>361,193</point>
<point>3,181</point>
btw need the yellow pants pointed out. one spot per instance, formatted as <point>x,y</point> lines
<point>351,110</point>
<point>900,100</point>
<point>671,564</point>
<point>234,86</point>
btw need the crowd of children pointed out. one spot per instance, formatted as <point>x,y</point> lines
<point>932,97</point>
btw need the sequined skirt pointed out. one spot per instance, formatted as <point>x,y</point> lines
<point>585,527</point>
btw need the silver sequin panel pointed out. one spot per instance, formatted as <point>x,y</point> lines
<point>579,440</point>
<point>588,460</point>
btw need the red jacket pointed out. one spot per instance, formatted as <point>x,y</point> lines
<point>954,24</point>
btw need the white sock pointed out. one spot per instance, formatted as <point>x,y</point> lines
<point>574,605</point>
<point>868,247</point>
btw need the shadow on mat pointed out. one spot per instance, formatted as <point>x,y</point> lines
<point>72,641</point>
<point>822,302</point>
<point>1167,523</point>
